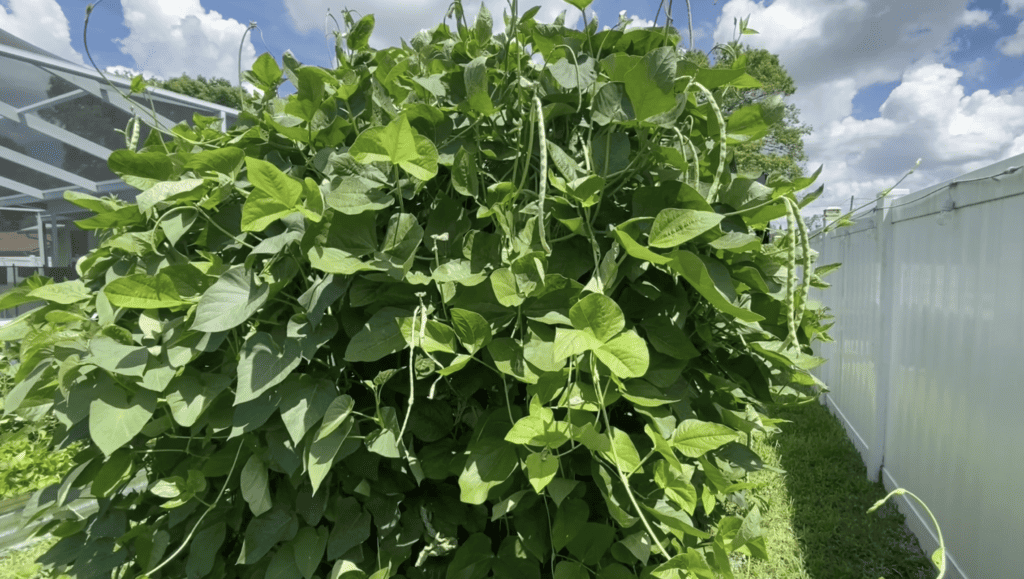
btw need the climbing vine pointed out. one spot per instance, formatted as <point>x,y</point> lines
<point>480,305</point>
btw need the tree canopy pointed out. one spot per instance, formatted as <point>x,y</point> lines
<point>214,90</point>
<point>781,151</point>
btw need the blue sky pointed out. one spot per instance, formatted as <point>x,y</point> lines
<point>882,83</point>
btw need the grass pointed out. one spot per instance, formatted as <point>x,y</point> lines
<point>816,525</point>
<point>21,564</point>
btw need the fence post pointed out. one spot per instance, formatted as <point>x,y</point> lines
<point>886,254</point>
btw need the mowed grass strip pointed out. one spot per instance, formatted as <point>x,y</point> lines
<point>817,526</point>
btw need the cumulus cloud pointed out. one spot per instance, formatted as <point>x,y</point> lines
<point>168,39</point>
<point>1013,45</point>
<point>42,23</point>
<point>397,20</point>
<point>835,48</point>
<point>928,115</point>
<point>974,18</point>
<point>1014,6</point>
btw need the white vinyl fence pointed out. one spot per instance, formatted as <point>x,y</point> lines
<point>927,369</point>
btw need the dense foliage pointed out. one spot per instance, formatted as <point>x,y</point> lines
<point>214,90</point>
<point>481,305</point>
<point>781,151</point>
<point>26,461</point>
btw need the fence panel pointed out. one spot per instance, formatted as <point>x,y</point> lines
<point>929,340</point>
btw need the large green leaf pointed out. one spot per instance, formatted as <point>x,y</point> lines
<point>598,314</point>
<point>673,227</point>
<point>695,437</point>
<point>625,355</point>
<point>472,329</point>
<point>489,462</point>
<point>168,191</point>
<point>710,279</point>
<point>310,545</point>
<point>263,364</point>
<point>230,301</point>
<point>397,143</point>
<point>379,337</point>
<point>115,419</point>
<point>256,486</point>
<point>475,76</point>
<point>141,291</point>
<point>650,83</point>
<point>473,559</point>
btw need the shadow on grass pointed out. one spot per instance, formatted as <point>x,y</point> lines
<point>827,482</point>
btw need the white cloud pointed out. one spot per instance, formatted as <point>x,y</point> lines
<point>928,116</point>
<point>1013,45</point>
<point>168,39</point>
<point>1013,6</point>
<point>835,48</point>
<point>974,18</point>
<point>397,20</point>
<point>42,23</point>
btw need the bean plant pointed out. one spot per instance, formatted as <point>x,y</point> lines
<point>482,305</point>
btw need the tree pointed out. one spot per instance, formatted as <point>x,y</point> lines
<point>214,90</point>
<point>781,152</point>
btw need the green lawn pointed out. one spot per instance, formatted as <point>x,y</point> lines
<point>816,525</point>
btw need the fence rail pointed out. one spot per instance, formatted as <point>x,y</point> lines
<point>927,367</point>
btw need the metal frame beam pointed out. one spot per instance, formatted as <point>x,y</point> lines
<point>52,64</point>
<point>22,188</point>
<point>46,168</point>
<point>68,96</point>
<point>51,130</point>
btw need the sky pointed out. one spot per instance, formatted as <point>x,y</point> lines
<point>881,83</point>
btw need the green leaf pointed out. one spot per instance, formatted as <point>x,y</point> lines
<point>322,453</point>
<point>490,461</point>
<point>118,358</point>
<point>695,437</point>
<point>168,191</point>
<point>473,559</point>
<point>484,25</point>
<point>303,403</point>
<point>397,143</point>
<point>262,364</point>
<point>226,160</point>
<point>156,166</point>
<point>541,469</point>
<point>591,543</point>
<point>623,452</point>
<point>380,336</point>
<point>65,293</point>
<point>465,177</point>
<point>266,71</point>
<point>570,569</point>
<point>230,301</point>
<point>192,393</point>
<point>651,83</point>
<point>673,227</point>
<point>265,177</point>
<point>598,314</point>
<point>255,485</point>
<point>626,355</point>
<point>711,280</point>
<point>310,545</point>
<point>477,95</point>
<point>569,520</point>
<point>143,292</point>
<point>359,37</point>
<point>264,532</point>
<point>204,550</point>
<point>114,420</point>
<point>472,329</point>
<point>282,565</point>
<point>339,409</point>
<point>581,4</point>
